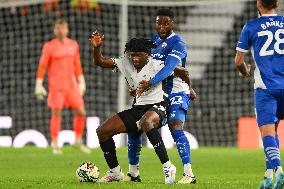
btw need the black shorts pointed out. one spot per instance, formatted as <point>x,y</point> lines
<point>131,116</point>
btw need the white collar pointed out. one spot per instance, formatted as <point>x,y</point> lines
<point>172,34</point>
<point>269,15</point>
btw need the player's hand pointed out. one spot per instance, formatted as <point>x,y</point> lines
<point>193,94</point>
<point>40,91</point>
<point>248,67</point>
<point>97,39</point>
<point>143,86</point>
<point>82,85</point>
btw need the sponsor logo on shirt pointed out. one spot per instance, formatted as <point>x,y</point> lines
<point>164,45</point>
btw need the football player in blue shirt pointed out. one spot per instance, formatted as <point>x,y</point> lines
<point>172,50</point>
<point>265,37</point>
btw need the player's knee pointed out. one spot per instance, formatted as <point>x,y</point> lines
<point>56,112</point>
<point>268,129</point>
<point>148,123</point>
<point>102,134</point>
<point>175,125</point>
<point>80,112</point>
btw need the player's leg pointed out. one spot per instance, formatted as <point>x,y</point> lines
<point>79,124</point>
<point>74,100</point>
<point>55,102</point>
<point>134,145</point>
<point>130,117</point>
<point>78,127</point>
<point>280,115</point>
<point>149,123</point>
<point>272,154</point>
<point>55,125</point>
<point>105,132</point>
<point>266,108</point>
<point>177,111</point>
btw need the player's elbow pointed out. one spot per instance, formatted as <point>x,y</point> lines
<point>98,61</point>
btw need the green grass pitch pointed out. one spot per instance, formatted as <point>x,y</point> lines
<point>31,167</point>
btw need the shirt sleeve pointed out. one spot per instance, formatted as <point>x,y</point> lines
<point>43,62</point>
<point>77,63</point>
<point>119,64</point>
<point>244,43</point>
<point>173,59</point>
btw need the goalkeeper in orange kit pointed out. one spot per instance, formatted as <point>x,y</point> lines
<point>66,84</point>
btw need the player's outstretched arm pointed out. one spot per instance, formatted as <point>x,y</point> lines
<point>241,66</point>
<point>99,60</point>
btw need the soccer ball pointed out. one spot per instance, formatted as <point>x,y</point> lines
<point>87,172</point>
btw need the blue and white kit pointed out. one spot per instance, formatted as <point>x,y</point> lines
<point>264,36</point>
<point>172,51</point>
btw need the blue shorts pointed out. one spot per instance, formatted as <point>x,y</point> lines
<point>269,105</point>
<point>178,106</point>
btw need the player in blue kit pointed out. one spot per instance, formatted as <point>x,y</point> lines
<point>172,50</point>
<point>265,37</point>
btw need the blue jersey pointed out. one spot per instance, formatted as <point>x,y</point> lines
<point>172,51</point>
<point>265,37</point>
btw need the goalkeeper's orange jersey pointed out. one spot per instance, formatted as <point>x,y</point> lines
<point>62,59</point>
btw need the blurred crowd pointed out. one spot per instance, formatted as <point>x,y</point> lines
<point>53,6</point>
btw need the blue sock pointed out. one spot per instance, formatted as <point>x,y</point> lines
<point>134,147</point>
<point>268,164</point>
<point>277,141</point>
<point>182,145</point>
<point>271,151</point>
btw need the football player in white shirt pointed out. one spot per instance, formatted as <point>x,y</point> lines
<point>148,110</point>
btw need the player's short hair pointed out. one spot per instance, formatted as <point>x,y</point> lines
<point>139,45</point>
<point>60,22</point>
<point>165,12</point>
<point>270,4</point>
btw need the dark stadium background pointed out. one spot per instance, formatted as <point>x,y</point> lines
<point>212,118</point>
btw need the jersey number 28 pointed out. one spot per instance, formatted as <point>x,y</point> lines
<point>264,50</point>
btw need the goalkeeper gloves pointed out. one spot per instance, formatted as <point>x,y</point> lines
<point>40,91</point>
<point>82,85</point>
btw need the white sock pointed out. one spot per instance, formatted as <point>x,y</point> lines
<point>269,173</point>
<point>187,169</point>
<point>134,170</point>
<point>167,164</point>
<point>278,170</point>
<point>117,169</point>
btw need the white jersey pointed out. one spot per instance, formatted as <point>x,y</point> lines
<point>179,86</point>
<point>153,95</point>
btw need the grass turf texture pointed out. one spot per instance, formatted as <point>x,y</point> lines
<point>31,167</point>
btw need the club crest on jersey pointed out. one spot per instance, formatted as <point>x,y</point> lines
<point>164,45</point>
